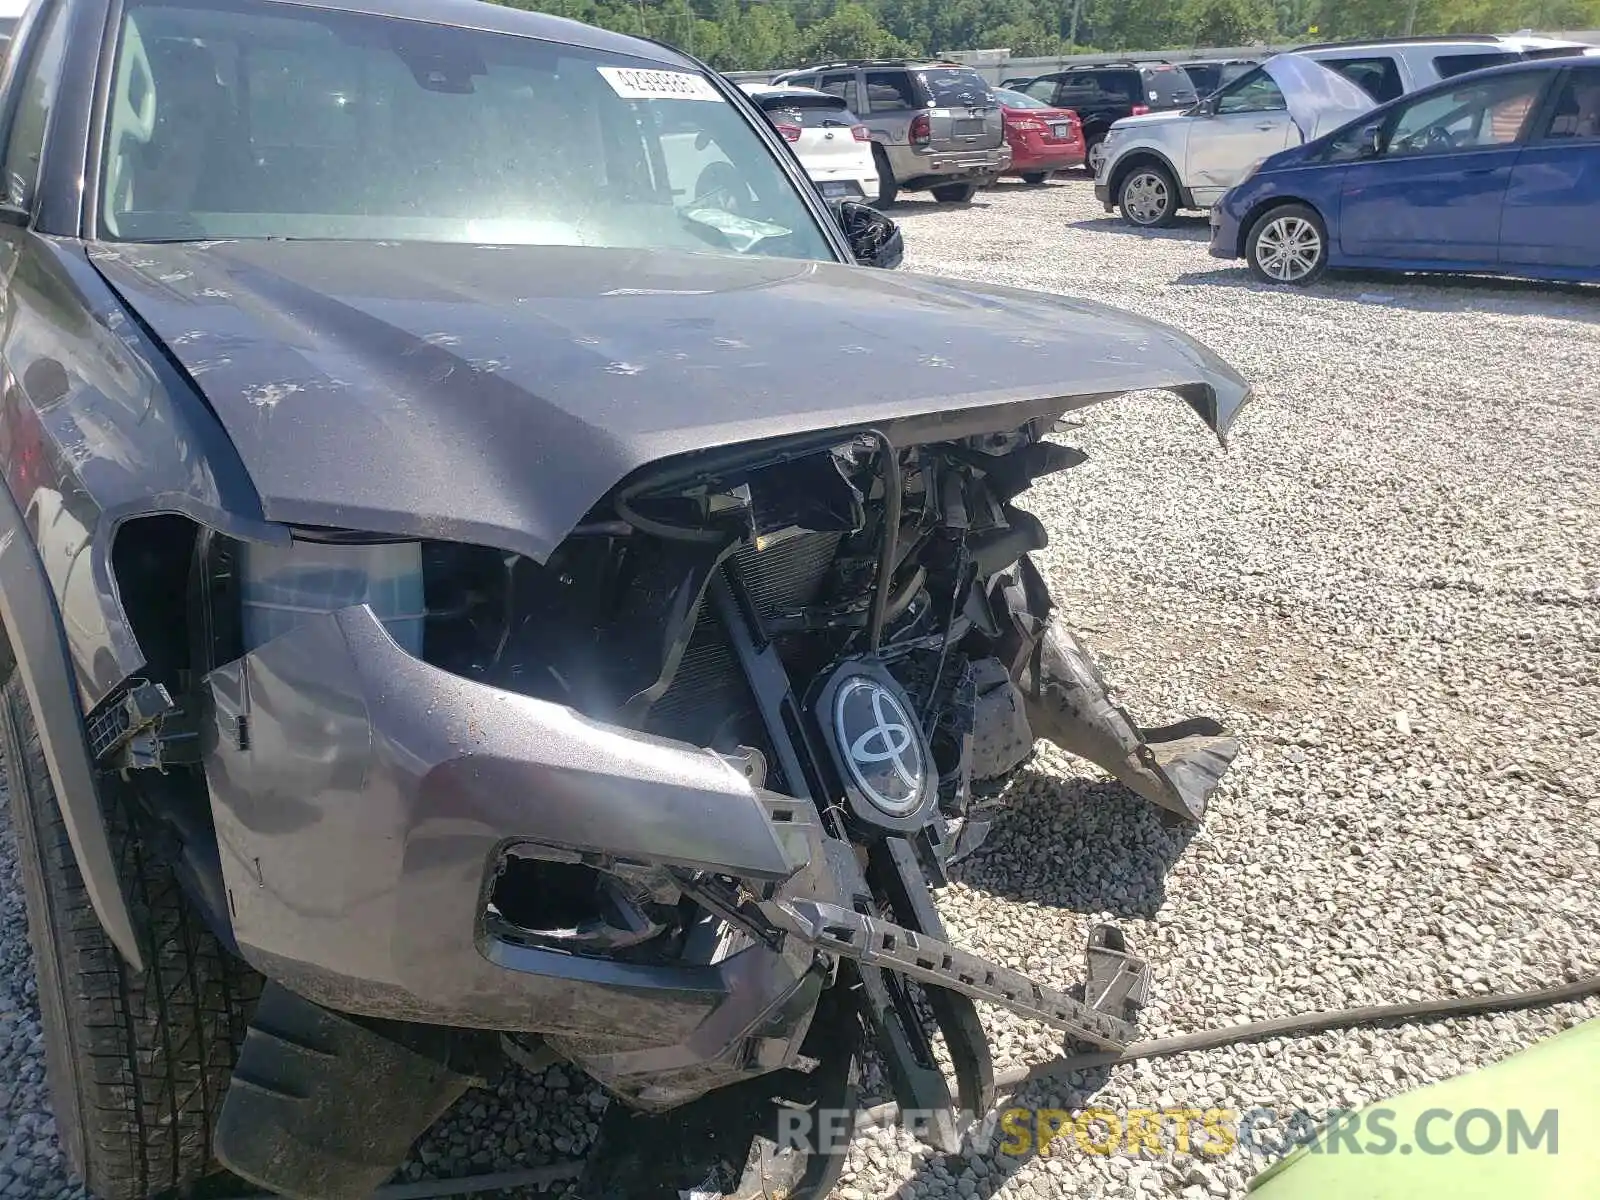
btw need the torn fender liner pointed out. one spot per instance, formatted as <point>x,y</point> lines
<point>521,384</point>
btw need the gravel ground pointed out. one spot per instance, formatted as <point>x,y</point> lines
<point>1389,587</point>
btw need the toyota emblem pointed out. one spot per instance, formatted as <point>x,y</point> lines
<point>880,745</point>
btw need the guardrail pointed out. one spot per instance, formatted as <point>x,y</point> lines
<point>995,65</point>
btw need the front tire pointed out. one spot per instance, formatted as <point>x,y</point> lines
<point>1034,178</point>
<point>955,193</point>
<point>1148,197</point>
<point>137,1062</point>
<point>1288,244</point>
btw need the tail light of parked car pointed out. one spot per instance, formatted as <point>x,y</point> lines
<point>1029,125</point>
<point>921,130</point>
<point>861,133</point>
<point>791,133</point>
<point>1140,110</point>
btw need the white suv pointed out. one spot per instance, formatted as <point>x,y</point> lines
<point>1393,67</point>
<point>1156,165</point>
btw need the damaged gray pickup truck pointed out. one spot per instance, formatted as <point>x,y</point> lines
<point>488,575</point>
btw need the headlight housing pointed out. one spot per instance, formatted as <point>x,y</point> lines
<point>280,585</point>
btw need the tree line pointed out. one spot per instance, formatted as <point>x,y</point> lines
<point>753,35</point>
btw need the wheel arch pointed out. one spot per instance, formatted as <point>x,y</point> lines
<point>34,645</point>
<point>1138,157</point>
<point>1262,207</point>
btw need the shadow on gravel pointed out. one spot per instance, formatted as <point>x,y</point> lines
<point>1088,846</point>
<point>1423,293</point>
<point>999,1146</point>
<point>1085,845</point>
<point>1184,229</point>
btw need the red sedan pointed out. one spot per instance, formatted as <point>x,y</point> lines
<point>1042,139</point>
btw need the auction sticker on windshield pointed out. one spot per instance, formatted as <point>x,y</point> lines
<point>632,83</point>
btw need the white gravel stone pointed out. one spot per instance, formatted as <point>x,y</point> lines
<point>1389,587</point>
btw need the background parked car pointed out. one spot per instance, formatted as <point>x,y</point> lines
<point>1043,139</point>
<point>934,125</point>
<point>1209,74</point>
<point>1496,172</point>
<point>1157,164</point>
<point>1389,68</point>
<point>833,145</point>
<point>1104,94</point>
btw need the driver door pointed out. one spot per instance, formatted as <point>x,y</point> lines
<point>1250,121</point>
<point>1435,185</point>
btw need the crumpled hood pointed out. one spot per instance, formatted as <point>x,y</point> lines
<point>496,394</point>
<point>1318,97</point>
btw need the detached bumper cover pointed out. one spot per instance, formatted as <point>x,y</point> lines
<point>362,797</point>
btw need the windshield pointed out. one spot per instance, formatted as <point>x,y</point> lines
<point>956,87</point>
<point>1013,99</point>
<point>263,120</point>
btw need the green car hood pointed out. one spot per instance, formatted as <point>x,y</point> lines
<point>1560,1073</point>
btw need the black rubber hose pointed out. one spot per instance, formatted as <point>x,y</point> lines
<point>1303,1025</point>
<point>892,487</point>
<point>1307,1024</point>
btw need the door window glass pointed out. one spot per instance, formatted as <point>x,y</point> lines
<point>1120,87</point>
<point>1255,92</point>
<point>1451,65</point>
<point>31,120</point>
<point>841,85</point>
<point>1379,77</point>
<point>1079,91</point>
<point>1577,112</point>
<point>1471,117</point>
<point>890,91</point>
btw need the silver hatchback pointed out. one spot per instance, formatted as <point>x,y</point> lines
<point>935,126</point>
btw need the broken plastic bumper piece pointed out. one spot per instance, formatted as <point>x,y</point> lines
<point>1176,767</point>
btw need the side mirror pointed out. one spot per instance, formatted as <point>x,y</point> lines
<point>1371,143</point>
<point>874,239</point>
<point>13,214</point>
<point>1206,107</point>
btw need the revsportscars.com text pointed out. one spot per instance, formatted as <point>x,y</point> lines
<point>1214,1132</point>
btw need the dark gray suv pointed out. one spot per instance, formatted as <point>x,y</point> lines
<point>490,579</point>
<point>935,125</point>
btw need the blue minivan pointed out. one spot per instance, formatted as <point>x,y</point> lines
<point>1496,172</point>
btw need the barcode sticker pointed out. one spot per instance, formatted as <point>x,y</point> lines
<point>632,83</point>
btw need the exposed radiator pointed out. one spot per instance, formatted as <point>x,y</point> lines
<point>789,575</point>
<point>709,688</point>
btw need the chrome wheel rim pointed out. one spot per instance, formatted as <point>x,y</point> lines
<point>1145,198</point>
<point>1289,248</point>
<point>1097,155</point>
